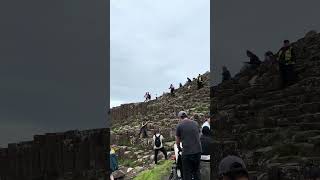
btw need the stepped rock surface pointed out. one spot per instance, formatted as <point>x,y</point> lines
<point>71,155</point>
<point>275,130</point>
<point>162,114</point>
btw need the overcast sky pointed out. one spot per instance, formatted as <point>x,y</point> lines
<point>258,26</point>
<point>156,43</point>
<point>53,67</point>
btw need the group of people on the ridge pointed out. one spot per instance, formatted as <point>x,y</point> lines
<point>285,57</point>
<point>199,80</point>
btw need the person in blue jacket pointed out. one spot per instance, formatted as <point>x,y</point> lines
<point>113,162</point>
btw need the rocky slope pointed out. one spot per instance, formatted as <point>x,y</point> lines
<point>127,119</point>
<point>275,130</point>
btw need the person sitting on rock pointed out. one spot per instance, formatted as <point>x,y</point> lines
<point>113,162</point>
<point>269,57</point>
<point>143,130</point>
<point>158,145</point>
<point>254,60</point>
<point>206,142</point>
<point>187,132</point>
<point>233,168</point>
<point>287,60</point>
<point>171,89</point>
<point>226,76</point>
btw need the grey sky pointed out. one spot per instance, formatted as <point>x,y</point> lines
<point>258,26</point>
<point>156,43</point>
<point>53,67</point>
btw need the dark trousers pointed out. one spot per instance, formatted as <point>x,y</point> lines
<point>156,152</point>
<point>287,74</point>
<point>144,133</point>
<point>191,166</point>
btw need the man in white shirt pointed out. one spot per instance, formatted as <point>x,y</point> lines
<point>158,146</point>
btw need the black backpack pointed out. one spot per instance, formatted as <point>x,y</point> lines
<point>157,141</point>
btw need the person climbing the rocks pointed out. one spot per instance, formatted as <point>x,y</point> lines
<point>226,76</point>
<point>206,142</point>
<point>188,80</point>
<point>286,58</point>
<point>254,60</point>
<point>171,89</point>
<point>158,145</point>
<point>233,168</point>
<point>199,82</point>
<point>180,85</point>
<point>143,130</point>
<point>187,132</point>
<point>113,162</point>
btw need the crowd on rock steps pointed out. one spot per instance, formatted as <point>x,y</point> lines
<point>285,57</point>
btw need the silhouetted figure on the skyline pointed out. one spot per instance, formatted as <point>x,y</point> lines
<point>226,76</point>
<point>171,89</point>
<point>269,57</point>
<point>254,61</point>
<point>287,60</point>
<point>189,80</point>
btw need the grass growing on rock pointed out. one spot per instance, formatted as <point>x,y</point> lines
<point>157,173</point>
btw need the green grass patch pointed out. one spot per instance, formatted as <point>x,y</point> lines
<point>158,172</point>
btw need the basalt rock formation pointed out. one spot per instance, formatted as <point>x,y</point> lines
<point>71,155</point>
<point>162,114</point>
<point>275,130</point>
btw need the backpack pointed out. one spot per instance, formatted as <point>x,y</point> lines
<point>157,141</point>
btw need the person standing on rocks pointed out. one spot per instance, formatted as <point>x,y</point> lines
<point>158,146</point>
<point>233,168</point>
<point>226,76</point>
<point>287,60</point>
<point>187,132</point>
<point>171,89</point>
<point>199,81</point>
<point>206,141</point>
<point>146,96</point>
<point>143,130</point>
<point>113,162</point>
